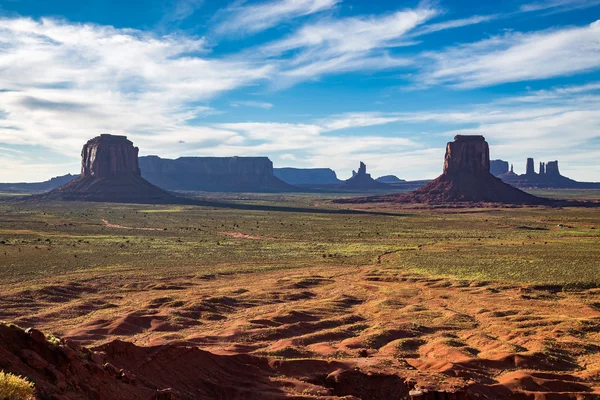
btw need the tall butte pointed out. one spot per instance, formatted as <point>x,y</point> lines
<point>110,172</point>
<point>466,178</point>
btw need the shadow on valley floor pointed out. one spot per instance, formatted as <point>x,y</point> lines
<point>224,204</point>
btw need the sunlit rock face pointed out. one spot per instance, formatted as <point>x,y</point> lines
<point>467,155</point>
<point>108,155</point>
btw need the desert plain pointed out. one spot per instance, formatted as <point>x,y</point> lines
<point>293,296</point>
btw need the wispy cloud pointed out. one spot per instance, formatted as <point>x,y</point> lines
<point>559,5</point>
<point>343,45</point>
<point>515,57</point>
<point>254,18</point>
<point>456,23</point>
<point>65,83</point>
<point>250,103</point>
<point>181,10</point>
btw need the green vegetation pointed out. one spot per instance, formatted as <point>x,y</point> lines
<point>14,387</point>
<point>527,245</point>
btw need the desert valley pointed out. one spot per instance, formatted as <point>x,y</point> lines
<point>299,200</point>
<point>115,288</point>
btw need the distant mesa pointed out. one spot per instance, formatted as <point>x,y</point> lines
<point>307,176</point>
<point>466,178</point>
<point>498,167</point>
<point>362,181</point>
<point>110,173</point>
<point>547,177</point>
<point>389,179</point>
<point>37,186</point>
<point>214,174</point>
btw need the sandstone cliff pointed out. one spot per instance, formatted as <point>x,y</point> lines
<point>217,174</point>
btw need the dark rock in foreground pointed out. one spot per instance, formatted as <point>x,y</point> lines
<point>215,174</point>
<point>307,176</point>
<point>466,178</point>
<point>110,173</point>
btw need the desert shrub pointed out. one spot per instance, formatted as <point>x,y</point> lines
<point>14,387</point>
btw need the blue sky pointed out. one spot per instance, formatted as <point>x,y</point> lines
<point>308,83</point>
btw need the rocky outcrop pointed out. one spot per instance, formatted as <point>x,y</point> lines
<point>362,181</point>
<point>215,174</point>
<point>389,179</point>
<point>110,173</point>
<point>466,179</point>
<point>307,176</point>
<point>498,167</point>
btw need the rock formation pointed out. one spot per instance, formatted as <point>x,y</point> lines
<point>362,181</point>
<point>307,176</point>
<point>466,178</point>
<point>529,169</point>
<point>552,169</point>
<point>215,174</point>
<point>498,167</point>
<point>549,177</point>
<point>389,179</point>
<point>110,173</point>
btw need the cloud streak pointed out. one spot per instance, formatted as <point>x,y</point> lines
<point>515,57</point>
<point>255,18</point>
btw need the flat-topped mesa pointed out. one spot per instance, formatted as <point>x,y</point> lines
<point>498,167</point>
<point>109,155</point>
<point>467,154</point>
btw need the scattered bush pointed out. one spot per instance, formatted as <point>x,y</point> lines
<point>14,387</point>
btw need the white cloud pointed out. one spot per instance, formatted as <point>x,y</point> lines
<point>516,57</point>
<point>250,103</point>
<point>559,5</point>
<point>457,23</point>
<point>64,83</point>
<point>346,44</point>
<point>259,17</point>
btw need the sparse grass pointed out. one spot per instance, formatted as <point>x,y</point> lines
<point>14,387</point>
<point>526,245</point>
